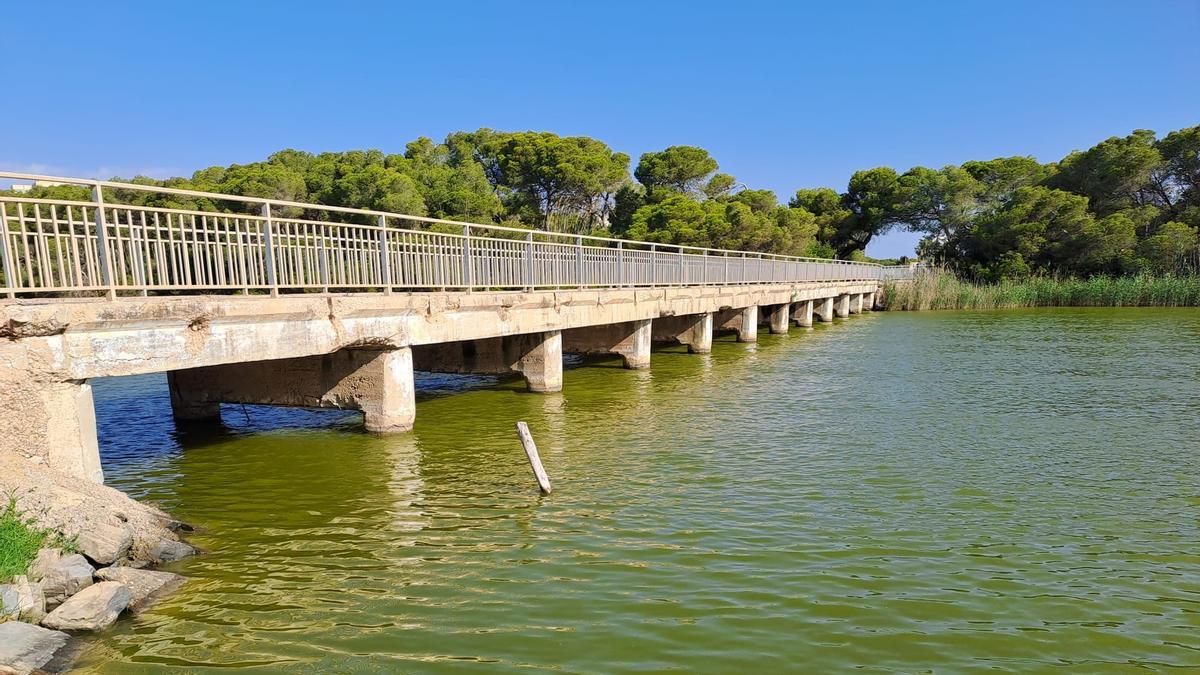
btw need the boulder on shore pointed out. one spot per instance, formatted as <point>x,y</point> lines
<point>22,600</point>
<point>61,576</point>
<point>93,608</point>
<point>142,584</point>
<point>105,543</point>
<point>24,647</point>
<point>170,550</point>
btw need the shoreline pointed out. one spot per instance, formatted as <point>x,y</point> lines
<point>96,562</point>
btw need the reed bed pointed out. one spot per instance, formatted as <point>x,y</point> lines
<point>942,290</point>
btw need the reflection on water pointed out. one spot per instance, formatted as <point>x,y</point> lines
<point>899,492</point>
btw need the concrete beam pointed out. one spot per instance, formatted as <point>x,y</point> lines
<point>823,308</point>
<point>377,382</point>
<point>744,321</point>
<point>776,317</point>
<point>841,306</point>
<point>536,356</point>
<point>693,330</point>
<point>802,314</point>
<point>630,340</point>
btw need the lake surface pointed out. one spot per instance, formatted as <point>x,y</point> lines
<point>959,491</point>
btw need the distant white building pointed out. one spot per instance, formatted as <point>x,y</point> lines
<point>20,188</point>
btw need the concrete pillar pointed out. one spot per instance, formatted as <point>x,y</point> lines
<point>693,330</point>
<point>630,339</point>
<point>188,405</point>
<point>823,308</point>
<point>536,356</point>
<point>802,314</point>
<point>384,390</point>
<point>856,303</point>
<point>777,318</point>
<point>744,321</point>
<point>541,364</point>
<point>63,424</point>
<point>377,382</point>
<point>841,306</point>
<point>868,302</point>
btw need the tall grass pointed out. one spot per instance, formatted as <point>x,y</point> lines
<point>20,539</point>
<point>942,290</point>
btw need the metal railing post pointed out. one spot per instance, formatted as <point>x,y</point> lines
<point>726,282</point>
<point>466,258</point>
<point>579,261</point>
<point>385,259</point>
<point>682,271</point>
<point>102,252</point>
<point>10,280</point>
<point>653,265</point>
<point>620,264</point>
<point>269,248</point>
<point>529,261</point>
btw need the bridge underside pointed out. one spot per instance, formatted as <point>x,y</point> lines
<point>355,351</point>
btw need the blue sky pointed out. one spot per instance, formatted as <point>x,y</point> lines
<point>784,95</point>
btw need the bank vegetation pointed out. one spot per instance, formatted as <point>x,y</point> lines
<point>942,289</point>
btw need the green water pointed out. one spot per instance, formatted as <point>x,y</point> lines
<point>896,492</point>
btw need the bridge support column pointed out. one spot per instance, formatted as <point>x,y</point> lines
<point>841,306</point>
<point>868,302</point>
<point>802,314</point>
<point>824,309</point>
<point>55,421</point>
<point>742,320</point>
<point>377,382</point>
<point>536,356</point>
<point>630,339</point>
<point>541,363</point>
<point>856,303</point>
<point>777,317</point>
<point>693,330</point>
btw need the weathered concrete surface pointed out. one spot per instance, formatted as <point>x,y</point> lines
<point>856,303</point>
<point>841,306</point>
<point>802,314</point>
<point>693,330</point>
<point>630,340</point>
<point>743,321</point>
<point>823,308</point>
<point>776,317</point>
<point>377,382</point>
<point>536,356</point>
<point>868,302</point>
<point>51,347</point>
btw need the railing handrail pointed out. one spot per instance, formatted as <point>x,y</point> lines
<point>96,183</point>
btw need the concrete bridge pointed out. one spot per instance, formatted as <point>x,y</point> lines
<point>295,304</point>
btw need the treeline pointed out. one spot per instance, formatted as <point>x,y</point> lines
<point>1127,205</point>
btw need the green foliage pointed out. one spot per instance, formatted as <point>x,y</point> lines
<point>20,540</point>
<point>1130,204</point>
<point>682,169</point>
<point>943,290</point>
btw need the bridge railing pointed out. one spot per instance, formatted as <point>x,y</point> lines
<point>63,246</point>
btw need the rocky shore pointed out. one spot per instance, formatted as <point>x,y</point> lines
<point>108,543</point>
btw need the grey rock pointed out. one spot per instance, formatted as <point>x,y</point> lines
<point>23,600</point>
<point>105,543</point>
<point>170,550</point>
<point>25,647</point>
<point>63,577</point>
<point>42,562</point>
<point>142,584</point>
<point>93,608</point>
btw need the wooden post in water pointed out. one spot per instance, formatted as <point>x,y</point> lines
<point>534,461</point>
